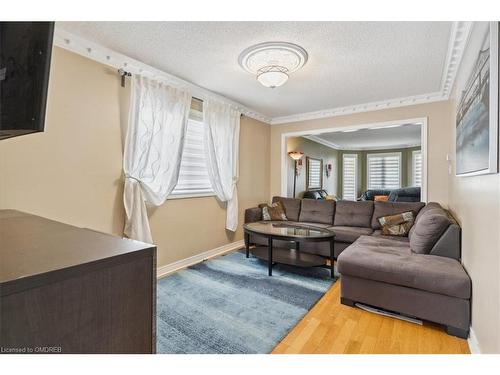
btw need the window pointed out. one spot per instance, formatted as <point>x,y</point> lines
<point>193,174</point>
<point>384,170</point>
<point>416,168</point>
<point>349,176</point>
<point>314,174</point>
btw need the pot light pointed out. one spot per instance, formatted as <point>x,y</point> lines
<point>272,62</point>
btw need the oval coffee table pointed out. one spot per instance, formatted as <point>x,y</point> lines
<point>279,230</point>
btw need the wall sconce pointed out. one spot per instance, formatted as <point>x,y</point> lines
<point>328,170</point>
<point>296,156</point>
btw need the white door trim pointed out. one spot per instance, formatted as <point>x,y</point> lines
<point>423,131</point>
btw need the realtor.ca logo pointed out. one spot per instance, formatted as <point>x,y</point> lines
<point>30,350</point>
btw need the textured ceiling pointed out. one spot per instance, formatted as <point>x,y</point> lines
<point>349,62</point>
<point>392,137</point>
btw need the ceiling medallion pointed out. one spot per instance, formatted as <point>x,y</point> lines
<point>272,62</point>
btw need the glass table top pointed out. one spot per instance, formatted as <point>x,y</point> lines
<point>280,228</point>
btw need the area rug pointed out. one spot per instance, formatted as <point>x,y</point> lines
<point>229,305</point>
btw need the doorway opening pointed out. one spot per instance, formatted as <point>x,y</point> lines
<point>360,162</point>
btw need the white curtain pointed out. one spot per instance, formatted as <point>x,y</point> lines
<point>222,135</point>
<point>153,147</point>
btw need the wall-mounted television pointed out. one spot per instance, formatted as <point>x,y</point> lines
<point>25,51</point>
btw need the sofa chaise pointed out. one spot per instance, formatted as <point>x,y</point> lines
<point>419,275</point>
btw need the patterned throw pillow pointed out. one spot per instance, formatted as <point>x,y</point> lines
<point>397,225</point>
<point>274,212</point>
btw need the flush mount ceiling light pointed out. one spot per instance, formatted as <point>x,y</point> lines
<point>272,62</point>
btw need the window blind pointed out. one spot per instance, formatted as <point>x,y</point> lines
<point>417,168</point>
<point>193,175</point>
<point>314,174</point>
<point>349,176</point>
<point>384,171</point>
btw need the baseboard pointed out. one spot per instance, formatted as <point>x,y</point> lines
<point>180,264</point>
<point>473,344</point>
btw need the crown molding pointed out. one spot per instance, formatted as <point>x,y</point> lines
<point>459,36</point>
<point>359,108</point>
<point>106,56</point>
<point>322,141</point>
<point>335,146</point>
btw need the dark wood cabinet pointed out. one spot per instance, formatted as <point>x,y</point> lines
<point>72,290</point>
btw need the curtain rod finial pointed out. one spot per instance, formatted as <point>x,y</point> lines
<point>123,73</point>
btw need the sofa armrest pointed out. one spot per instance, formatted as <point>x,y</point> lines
<point>253,214</point>
<point>449,244</point>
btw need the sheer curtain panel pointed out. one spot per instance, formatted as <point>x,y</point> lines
<point>222,136</point>
<point>157,121</point>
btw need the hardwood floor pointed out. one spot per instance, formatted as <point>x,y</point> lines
<point>334,328</point>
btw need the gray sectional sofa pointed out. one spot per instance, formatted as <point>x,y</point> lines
<point>419,275</point>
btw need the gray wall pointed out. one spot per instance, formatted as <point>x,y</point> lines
<point>314,150</point>
<point>333,184</point>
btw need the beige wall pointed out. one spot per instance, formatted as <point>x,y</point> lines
<point>438,120</point>
<point>475,201</point>
<point>73,171</point>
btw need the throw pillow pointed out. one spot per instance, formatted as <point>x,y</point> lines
<point>381,198</point>
<point>397,225</point>
<point>274,212</point>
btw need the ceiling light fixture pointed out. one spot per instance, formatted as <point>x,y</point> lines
<point>272,62</point>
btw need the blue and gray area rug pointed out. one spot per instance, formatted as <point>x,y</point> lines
<point>230,305</point>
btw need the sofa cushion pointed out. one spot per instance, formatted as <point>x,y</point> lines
<point>318,211</point>
<point>427,231</point>
<point>353,214</point>
<point>253,214</point>
<point>427,207</point>
<point>349,234</point>
<point>310,224</point>
<point>382,209</point>
<point>389,261</point>
<point>378,233</point>
<point>291,205</point>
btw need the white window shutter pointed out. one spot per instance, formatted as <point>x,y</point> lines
<point>349,179</point>
<point>416,168</point>
<point>384,170</point>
